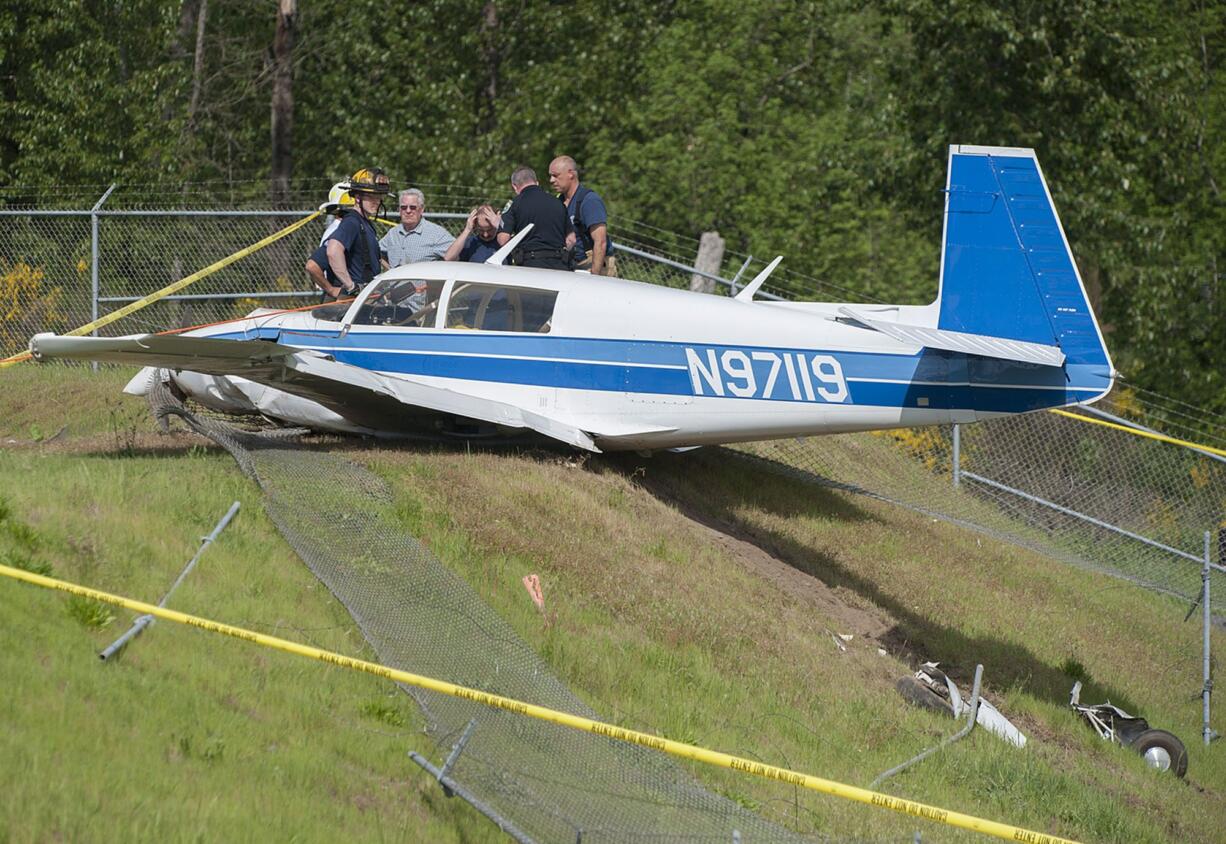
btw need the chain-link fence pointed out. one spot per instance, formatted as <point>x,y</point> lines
<point>1091,495</point>
<point>1095,496</point>
<point>61,268</point>
<point>538,780</point>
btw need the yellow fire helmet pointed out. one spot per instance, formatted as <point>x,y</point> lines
<point>338,198</point>
<point>369,180</point>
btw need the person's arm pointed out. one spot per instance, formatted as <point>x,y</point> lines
<point>453,251</point>
<point>336,263</point>
<point>441,243</point>
<point>600,243</point>
<point>506,223</point>
<point>317,274</point>
<point>384,248</point>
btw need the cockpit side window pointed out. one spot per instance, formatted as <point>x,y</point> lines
<point>402,302</point>
<point>333,312</point>
<point>490,307</point>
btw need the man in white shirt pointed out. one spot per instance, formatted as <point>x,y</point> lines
<point>415,239</point>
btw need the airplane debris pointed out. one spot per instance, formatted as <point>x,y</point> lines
<point>988,716</point>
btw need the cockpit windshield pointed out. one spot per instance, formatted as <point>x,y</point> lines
<point>402,302</point>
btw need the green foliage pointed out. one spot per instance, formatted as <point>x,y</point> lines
<point>22,560</point>
<point>386,711</point>
<point>1119,101</point>
<point>89,613</point>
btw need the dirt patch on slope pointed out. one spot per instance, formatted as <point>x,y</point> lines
<point>859,621</point>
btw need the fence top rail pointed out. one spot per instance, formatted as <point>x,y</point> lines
<point>185,212</point>
<point>270,212</point>
<point>1119,420</point>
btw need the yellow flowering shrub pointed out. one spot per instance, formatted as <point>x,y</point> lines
<point>28,305</point>
<point>930,446</point>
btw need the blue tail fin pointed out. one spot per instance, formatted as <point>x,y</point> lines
<point>1006,268</point>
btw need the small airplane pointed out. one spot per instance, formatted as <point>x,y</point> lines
<point>608,364</point>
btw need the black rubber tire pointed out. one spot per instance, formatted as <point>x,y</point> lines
<point>920,695</point>
<point>1161,742</point>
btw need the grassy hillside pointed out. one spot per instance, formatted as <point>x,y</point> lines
<point>685,594</point>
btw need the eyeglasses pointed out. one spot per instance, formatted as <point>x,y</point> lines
<point>409,207</point>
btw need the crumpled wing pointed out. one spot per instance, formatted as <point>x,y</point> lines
<point>367,398</point>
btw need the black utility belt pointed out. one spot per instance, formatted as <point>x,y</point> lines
<point>543,253</point>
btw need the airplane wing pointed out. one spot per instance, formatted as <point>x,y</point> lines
<point>366,398</point>
<point>961,341</point>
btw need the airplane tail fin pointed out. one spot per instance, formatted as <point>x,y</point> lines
<point>1006,268</point>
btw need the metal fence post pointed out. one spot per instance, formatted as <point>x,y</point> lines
<point>957,455</point>
<point>732,284</point>
<point>1207,688</point>
<point>93,260</point>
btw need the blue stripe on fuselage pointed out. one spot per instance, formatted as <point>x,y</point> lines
<point>931,378</point>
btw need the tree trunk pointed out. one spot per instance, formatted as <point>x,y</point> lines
<point>487,117</point>
<point>187,21</point>
<point>193,106</point>
<point>283,102</point>
<point>710,257</point>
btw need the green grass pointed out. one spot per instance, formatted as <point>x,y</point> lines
<point>186,736</point>
<point>685,595</point>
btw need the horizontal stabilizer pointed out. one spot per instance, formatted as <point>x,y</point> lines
<point>958,341</point>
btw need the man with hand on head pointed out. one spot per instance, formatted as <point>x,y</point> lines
<point>416,238</point>
<point>479,239</point>
<point>588,217</point>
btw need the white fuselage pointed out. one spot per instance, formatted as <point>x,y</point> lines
<point>638,365</point>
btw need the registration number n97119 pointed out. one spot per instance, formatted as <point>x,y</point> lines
<point>795,376</point>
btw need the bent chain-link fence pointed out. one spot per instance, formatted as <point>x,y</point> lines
<point>551,782</point>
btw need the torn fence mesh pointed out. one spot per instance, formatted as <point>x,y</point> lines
<point>553,783</point>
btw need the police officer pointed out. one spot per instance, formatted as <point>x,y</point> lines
<point>352,252</point>
<point>546,245</point>
<point>586,210</point>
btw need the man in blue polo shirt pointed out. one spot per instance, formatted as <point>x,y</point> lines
<point>585,208</point>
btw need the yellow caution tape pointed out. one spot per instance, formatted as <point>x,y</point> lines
<point>1163,438</point>
<point>133,307</point>
<point>676,748</point>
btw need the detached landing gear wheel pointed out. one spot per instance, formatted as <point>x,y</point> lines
<point>1163,751</point>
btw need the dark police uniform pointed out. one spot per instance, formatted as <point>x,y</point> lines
<point>545,245</point>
